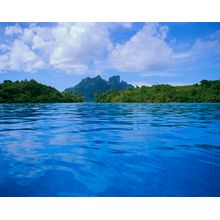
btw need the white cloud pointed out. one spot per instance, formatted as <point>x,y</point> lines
<point>20,57</point>
<point>69,47</point>
<point>23,58</point>
<point>3,62</point>
<point>207,46</point>
<point>3,48</point>
<point>203,51</point>
<point>77,48</point>
<point>145,51</point>
<point>13,30</point>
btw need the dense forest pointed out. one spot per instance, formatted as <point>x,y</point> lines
<point>33,92</point>
<point>205,91</point>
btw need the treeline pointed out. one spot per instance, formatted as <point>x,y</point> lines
<point>31,91</point>
<point>205,91</point>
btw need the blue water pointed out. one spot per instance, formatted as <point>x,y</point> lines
<point>89,149</point>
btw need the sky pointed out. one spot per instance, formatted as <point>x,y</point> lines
<point>61,54</point>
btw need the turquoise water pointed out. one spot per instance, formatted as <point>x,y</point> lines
<point>90,149</point>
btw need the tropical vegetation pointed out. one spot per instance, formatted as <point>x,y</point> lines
<point>205,91</point>
<point>31,91</point>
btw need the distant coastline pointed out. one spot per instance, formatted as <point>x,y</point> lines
<point>33,92</point>
<point>205,91</point>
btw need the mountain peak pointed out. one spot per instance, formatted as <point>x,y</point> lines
<point>98,77</point>
<point>90,87</point>
<point>114,79</point>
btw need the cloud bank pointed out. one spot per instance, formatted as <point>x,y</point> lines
<point>146,50</point>
<point>76,48</point>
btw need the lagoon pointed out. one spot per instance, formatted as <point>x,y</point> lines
<point>110,149</point>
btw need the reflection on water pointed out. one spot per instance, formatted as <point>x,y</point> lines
<point>90,149</point>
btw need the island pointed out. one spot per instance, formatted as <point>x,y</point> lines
<point>205,91</point>
<point>33,92</point>
<point>114,90</point>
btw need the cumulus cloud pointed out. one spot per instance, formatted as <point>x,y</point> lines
<point>205,51</point>
<point>147,50</point>
<point>70,47</point>
<point>77,48</point>
<point>208,46</point>
<point>13,30</point>
<point>20,57</point>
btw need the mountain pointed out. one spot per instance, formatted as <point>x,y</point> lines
<point>33,92</point>
<point>90,87</point>
<point>205,91</point>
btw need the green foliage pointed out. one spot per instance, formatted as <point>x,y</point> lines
<point>32,91</point>
<point>206,91</point>
<point>73,97</point>
<point>92,87</point>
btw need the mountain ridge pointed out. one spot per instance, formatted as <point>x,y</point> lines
<point>91,87</point>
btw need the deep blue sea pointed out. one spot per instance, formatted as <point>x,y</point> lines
<point>91,149</point>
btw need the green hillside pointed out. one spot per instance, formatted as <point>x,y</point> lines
<point>33,92</point>
<point>205,91</point>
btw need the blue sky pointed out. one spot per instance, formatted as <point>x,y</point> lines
<point>61,54</point>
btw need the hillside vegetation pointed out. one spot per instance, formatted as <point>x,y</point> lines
<point>33,92</point>
<point>205,91</point>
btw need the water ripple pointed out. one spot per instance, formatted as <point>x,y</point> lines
<point>124,149</point>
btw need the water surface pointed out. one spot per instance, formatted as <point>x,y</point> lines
<point>91,149</point>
